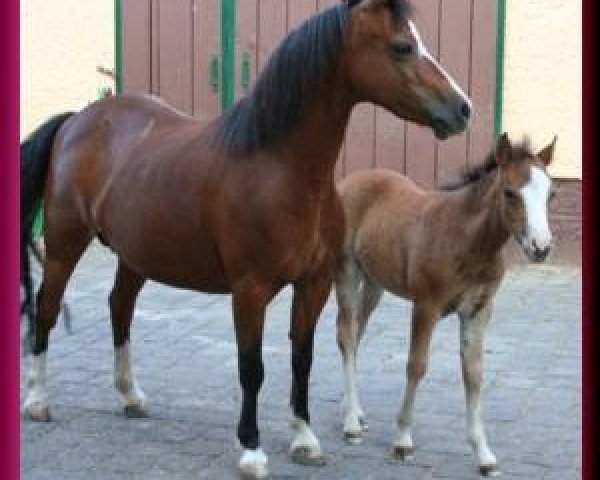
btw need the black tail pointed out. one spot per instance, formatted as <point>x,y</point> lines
<point>35,154</point>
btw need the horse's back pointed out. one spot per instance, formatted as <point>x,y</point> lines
<point>128,169</point>
<point>383,211</point>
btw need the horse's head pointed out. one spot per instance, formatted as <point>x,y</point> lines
<point>388,64</point>
<point>526,191</point>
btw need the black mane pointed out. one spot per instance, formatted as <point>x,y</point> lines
<point>474,175</point>
<point>289,82</point>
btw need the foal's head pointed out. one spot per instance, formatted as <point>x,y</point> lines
<point>526,189</point>
<point>388,64</point>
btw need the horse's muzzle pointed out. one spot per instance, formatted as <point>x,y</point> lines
<point>452,121</point>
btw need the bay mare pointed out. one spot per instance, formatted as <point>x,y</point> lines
<point>244,205</point>
<point>442,250</point>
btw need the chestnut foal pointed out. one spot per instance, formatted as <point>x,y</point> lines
<point>441,250</point>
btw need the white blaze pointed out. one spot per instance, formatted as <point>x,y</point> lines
<point>423,52</point>
<point>535,197</point>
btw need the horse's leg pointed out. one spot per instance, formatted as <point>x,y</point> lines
<point>249,304</point>
<point>122,300</point>
<point>347,287</point>
<point>310,295</point>
<point>424,318</point>
<point>63,251</point>
<point>27,304</point>
<point>354,309</point>
<point>369,299</point>
<point>472,331</point>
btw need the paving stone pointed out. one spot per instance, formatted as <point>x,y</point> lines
<point>185,360</point>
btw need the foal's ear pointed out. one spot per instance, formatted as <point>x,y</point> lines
<point>547,153</point>
<point>503,150</point>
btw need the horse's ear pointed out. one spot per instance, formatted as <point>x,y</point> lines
<point>547,153</point>
<point>503,150</point>
<point>372,3</point>
<point>351,3</point>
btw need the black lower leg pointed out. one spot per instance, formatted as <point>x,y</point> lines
<point>45,321</point>
<point>122,302</point>
<point>251,373</point>
<point>301,364</point>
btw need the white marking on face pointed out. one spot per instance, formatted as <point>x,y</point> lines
<point>535,197</point>
<point>423,52</point>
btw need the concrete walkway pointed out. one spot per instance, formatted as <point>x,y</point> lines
<point>184,352</point>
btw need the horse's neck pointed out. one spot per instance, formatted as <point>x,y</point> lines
<point>487,230</point>
<point>315,144</point>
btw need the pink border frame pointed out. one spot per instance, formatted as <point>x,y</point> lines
<point>589,256</point>
<point>9,239</point>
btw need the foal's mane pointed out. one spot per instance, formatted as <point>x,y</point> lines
<point>519,153</point>
<point>289,82</point>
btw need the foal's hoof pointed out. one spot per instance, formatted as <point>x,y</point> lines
<point>489,470</point>
<point>37,412</point>
<point>353,438</point>
<point>404,453</point>
<point>308,457</point>
<point>363,424</point>
<point>135,411</point>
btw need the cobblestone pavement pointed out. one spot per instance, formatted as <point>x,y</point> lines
<point>184,352</point>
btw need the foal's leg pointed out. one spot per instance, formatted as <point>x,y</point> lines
<point>472,331</point>
<point>310,295</point>
<point>355,306</point>
<point>122,300</point>
<point>63,251</point>
<point>424,318</point>
<point>249,304</point>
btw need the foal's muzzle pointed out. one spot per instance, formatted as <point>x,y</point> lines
<point>534,252</point>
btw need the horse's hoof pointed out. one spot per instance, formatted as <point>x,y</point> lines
<point>404,453</point>
<point>308,457</point>
<point>353,438</point>
<point>363,424</point>
<point>253,464</point>
<point>489,471</point>
<point>135,411</point>
<point>37,412</point>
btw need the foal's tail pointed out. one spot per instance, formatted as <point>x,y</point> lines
<point>35,155</point>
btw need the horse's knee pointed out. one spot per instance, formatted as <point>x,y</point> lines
<point>343,330</point>
<point>415,369</point>
<point>472,373</point>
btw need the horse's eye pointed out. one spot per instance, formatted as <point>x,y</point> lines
<point>401,50</point>
<point>551,195</point>
<point>510,194</point>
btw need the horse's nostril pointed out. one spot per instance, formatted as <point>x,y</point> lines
<point>465,110</point>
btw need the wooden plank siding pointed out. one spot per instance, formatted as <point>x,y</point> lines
<point>168,46</point>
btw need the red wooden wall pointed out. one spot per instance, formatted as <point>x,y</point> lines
<point>168,46</point>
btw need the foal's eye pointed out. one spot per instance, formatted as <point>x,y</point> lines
<point>401,50</point>
<point>510,194</point>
